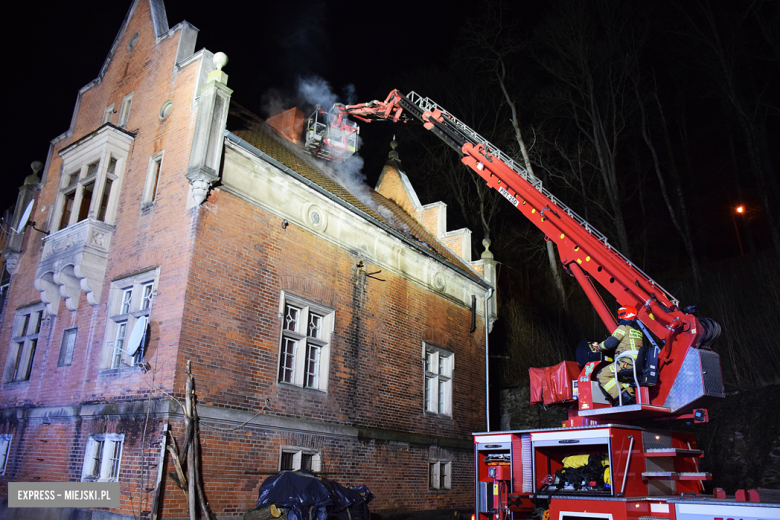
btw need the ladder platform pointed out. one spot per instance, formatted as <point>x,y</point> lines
<point>627,412</point>
<point>694,476</point>
<point>673,452</point>
<point>659,475</point>
<point>673,475</point>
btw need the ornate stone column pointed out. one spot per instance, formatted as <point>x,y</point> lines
<point>208,139</point>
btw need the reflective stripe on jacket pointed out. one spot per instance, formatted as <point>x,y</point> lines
<point>628,338</point>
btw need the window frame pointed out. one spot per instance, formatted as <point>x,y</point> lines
<point>152,184</point>
<point>297,454</point>
<point>304,352</point>
<point>124,111</point>
<point>436,480</point>
<point>108,148</point>
<point>100,174</point>
<point>437,384</point>
<point>24,343</point>
<point>67,347</point>
<point>108,114</point>
<point>106,443</point>
<point>128,303</point>
<point>5,450</point>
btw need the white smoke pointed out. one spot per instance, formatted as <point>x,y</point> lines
<point>274,101</point>
<point>314,91</point>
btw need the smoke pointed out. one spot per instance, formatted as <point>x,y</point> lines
<point>312,91</point>
<point>274,101</point>
<point>349,94</point>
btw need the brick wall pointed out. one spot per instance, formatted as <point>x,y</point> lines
<point>159,234</point>
<point>243,260</point>
<point>391,186</point>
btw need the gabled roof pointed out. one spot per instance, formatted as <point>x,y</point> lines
<point>250,128</point>
<point>159,20</point>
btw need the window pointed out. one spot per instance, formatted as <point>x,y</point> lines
<point>102,458</point>
<point>152,178</point>
<point>24,342</point>
<point>304,354</point>
<point>5,448</point>
<point>124,112</point>
<point>440,475</point>
<point>293,459</point>
<point>438,380</point>
<point>130,303</point>
<point>66,348</point>
<point>80,201</point>
<point>92,172</point>
<point>108,113</point>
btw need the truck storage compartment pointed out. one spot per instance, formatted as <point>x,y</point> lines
<point>494,473</point>
<point>572,462</point>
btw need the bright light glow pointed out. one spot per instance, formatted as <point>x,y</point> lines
<point>740,209</point>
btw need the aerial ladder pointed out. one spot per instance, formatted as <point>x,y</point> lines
<point>643,473</point>
<point>688,373</point>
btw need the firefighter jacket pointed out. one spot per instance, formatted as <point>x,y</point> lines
<point>626,337</point>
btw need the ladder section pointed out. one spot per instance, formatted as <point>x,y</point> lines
<point>428,105</point>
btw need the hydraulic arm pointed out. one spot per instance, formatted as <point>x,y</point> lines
<point>584,251</point>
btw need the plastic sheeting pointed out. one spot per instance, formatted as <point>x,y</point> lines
<point>552,385</point>
<point>298,492</point>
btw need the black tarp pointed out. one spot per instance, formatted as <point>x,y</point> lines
<point>298,491</point>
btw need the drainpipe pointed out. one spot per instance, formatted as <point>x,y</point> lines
<point>487,365</point>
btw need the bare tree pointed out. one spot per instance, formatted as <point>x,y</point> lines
<point>721,33</point>
<point>675,205</point>
<point>439,170</point>
<point>591,50</point>
<point>493,41</point>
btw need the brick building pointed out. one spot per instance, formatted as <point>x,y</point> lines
<point>329,326</point>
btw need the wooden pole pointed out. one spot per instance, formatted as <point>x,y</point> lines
<point>160,472</point>
<point>190,449</point>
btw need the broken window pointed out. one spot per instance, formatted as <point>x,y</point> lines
<point>24,342</point>
<point>304,353</point>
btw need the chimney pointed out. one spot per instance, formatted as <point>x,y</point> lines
<point>290,124</point>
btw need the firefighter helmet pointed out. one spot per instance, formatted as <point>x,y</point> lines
<point>627,312</point>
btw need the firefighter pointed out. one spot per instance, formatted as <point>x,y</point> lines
<point>627,337</point>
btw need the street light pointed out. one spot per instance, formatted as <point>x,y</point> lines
<point>739,209</point>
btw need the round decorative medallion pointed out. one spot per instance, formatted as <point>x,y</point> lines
<point>439,282</point>
<point>166,108</point>
<point>315,217</point>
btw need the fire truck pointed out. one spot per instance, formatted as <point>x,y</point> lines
<point>597,465</point>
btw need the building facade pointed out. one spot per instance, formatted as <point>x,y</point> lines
<point>328,326</point>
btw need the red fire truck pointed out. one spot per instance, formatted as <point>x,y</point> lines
<point>597,465</point>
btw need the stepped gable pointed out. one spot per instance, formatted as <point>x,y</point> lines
<point>267,139</point>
